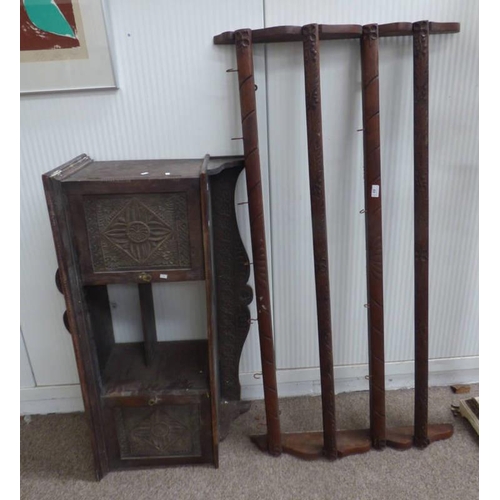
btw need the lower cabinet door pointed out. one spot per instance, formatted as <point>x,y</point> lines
<point>160,434</point>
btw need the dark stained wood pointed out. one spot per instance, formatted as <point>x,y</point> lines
<point>395,29</point>
<point>177,377</point>
<point>339,31</point>
<point>274,34</point>
<point>319,229</point>
<point>137,170</point>
<point>293,34</point>
<point>140,276</point>
<point>244,56</point>
<point>306,445</point>
<point>169,213</point>
<point>179,367</point>
<point>84,169</point>
<point>232,272</point>
<point>309,445</point>
<point>166,432</point>
<point>70,168</point>
<point>421,222</point>
<point>78,319</point>
<point>147,306</point>
<point>99,309</point>
<point>401,438</point>
<point>332,32</point>
<point>158,409</point>
<point>207,226</point>
<point>373,219</point>
<point>443,28</point>
<point>130,186</point>
<point>406,29</point>
<point>58,281</point>
<point>66,321</point>
<point>218,164</point>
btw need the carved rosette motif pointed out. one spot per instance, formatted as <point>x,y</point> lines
<point>145,432</point>
<point>370,33</point>
<point>421,38</point>
<point>137,231</point>
<point>243,38</point>
<point>310,34</point>
<point>160,432</point>
<point>143,230</point>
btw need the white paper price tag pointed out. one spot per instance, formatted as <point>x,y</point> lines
<point>375,190</point>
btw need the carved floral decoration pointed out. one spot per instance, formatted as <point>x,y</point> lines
<point>137,231</point>
<point>162,432</point>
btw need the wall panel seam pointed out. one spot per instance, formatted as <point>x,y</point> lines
<point>28,357</point>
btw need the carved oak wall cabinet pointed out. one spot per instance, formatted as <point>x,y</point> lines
<point>151,222</point>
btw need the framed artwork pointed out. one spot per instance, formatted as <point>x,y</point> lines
<point>64,46</point>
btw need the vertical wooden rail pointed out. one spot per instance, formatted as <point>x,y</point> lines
<point>244,56</point>
<point>373,220</point>
<point>310,35</point>
<point>76,312</point>
<point>146,302</point>
<point>208,256</point>
<point>421,201</point>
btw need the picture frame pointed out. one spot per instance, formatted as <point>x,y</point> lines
<point>64,46</point>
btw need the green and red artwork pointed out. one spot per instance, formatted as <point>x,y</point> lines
<point>58,52</point>
<point>49,25</point>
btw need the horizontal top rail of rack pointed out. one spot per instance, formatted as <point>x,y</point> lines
<point>333,32</point>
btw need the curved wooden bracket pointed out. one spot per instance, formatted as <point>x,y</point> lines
<point>310,445</point>
<point>402,438</point>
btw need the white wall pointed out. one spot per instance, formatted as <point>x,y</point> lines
<point>176,101</point>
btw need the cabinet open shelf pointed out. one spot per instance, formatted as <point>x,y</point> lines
<point>178,368</point>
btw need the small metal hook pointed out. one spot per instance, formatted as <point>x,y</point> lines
<point>236,138</point>
<point>243,203</point>
<point>367,306</point>
<point>363,211</point>
<point>231,70</point>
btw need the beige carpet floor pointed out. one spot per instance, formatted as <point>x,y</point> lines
<point>56,461</point>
